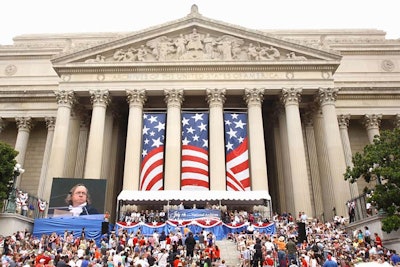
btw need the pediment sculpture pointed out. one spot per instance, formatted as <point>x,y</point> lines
<point>197,46</point>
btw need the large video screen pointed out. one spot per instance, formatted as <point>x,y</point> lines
<point>61,193</point>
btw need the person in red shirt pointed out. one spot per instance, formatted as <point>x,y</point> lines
<point>378,240</point>
<point>177,262</point>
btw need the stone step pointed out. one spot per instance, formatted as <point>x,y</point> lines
<point>229,252</point>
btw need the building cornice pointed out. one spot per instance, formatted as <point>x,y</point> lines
<point>158,67</point>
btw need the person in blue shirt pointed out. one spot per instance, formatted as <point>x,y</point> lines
<point>394,258</point>
<point>329,261</point>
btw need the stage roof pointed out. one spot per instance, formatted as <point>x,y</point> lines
<point>257,197</point>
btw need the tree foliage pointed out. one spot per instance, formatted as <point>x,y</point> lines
<point>7,163</point>
<point>380,161</point>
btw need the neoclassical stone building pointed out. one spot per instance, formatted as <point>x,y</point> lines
<point>75,105</point>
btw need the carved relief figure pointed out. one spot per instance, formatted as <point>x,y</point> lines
<point>99,58</point>
<point>293,56</point>
<point>162,47</point>
<point>180,44</point>
<point>119,55</point>
<point>141,53</point>
<point>209,43</point>
<point>252,52</point>
<point>225,47</point>
<point>269,53</point>
<point>194,41</point>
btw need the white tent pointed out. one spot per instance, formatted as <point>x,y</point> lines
<point>257,197</point>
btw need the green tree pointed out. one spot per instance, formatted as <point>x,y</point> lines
<point>7,163</point>
<point>380,162</point>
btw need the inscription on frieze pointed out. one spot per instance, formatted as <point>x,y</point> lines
<point>196,45</point>
<point>194,76</point>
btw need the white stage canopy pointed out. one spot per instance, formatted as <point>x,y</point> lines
<point>257,197</point>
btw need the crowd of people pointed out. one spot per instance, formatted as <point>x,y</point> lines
<point>325,244</point>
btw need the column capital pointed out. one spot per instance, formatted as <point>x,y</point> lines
<point>254,96</point>
<point>50,123</point>
<point>215,97</point>
<point>343,120</point>
<point>372,121</point>
<point>327,95</point>
<point>24,123</point>
<point>291,96</point>
<point>65,98</point>
<point>136,97</point>
<point>173,97</point>
<point>100,97</point>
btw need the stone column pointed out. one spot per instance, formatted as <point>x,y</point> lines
<point>73,142</point>
<point>136,99</point>
<point>82,144</point>
<point>100,100</point>
<point>344,134</point>
<point>111,115</point>
<point>173,143</point>
<point>287,173</point>
<point>337,163</point>
<point>372,123</point>
<point>258,161</point>
<point>396,121</point>
<point>328,197</point>
<point>24,125</point>
<point>50,124</point>
<point>216,100</point>
<point>65,100</point>
<point>3,124</point>
<point>298,165</point>
<point>313,162</point>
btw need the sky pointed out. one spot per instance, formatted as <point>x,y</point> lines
<point>77,16</point>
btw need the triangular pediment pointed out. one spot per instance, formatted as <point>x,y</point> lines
<point>195,38</point>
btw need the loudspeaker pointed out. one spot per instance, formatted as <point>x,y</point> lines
<point>301,227</point>
<point>104,228</point>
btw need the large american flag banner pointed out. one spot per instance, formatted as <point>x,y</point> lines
<point>236,150</point>
<point>151,174</point>
<point>194,151</point>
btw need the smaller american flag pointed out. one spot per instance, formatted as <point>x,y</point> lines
<point>151,175</point>
<point>195,151</point>
<point>236,150</point>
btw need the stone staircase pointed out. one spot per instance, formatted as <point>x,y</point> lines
<point>229,253</point>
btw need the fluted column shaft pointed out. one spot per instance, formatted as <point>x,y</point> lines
<point>65,100</point>
<point>258,161</point>
<point>337,163</point>
<point>279,169</point>
<point>313,161</point>
<point>24,125</point>
<point>343,121</point>
<point>3,124</point>
<point>100,100</point>
<point>136,99</point>
<point>372,123</point>
<point>396,121</point>
<point>173,143</point>
<point>50,124</point>
<point>323,163</point>
<point>216,100</point>
<point>73,142</point>
<point>82,143</point>
<point>298,165</point>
